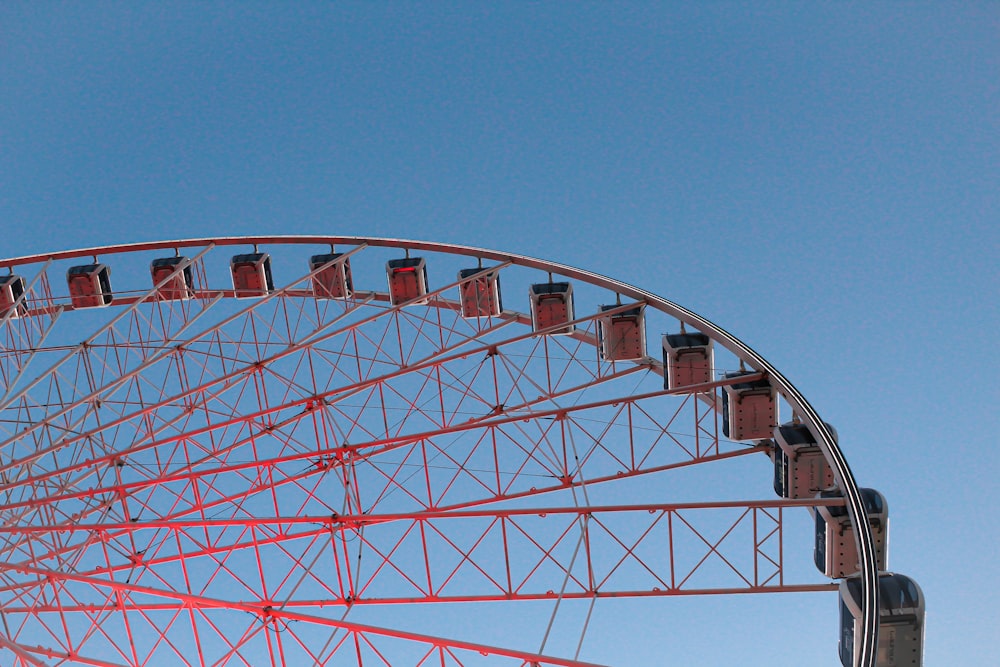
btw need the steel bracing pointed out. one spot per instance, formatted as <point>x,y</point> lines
<point>223,481</point>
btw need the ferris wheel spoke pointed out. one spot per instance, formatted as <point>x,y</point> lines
<point>120,421</point>
<point>557,471</point>
<point>166,343</point>
<point>467,556</point>
<point>26,337</point>
<point>361,450</point>
<point>158,610</point>
<point>212,481</point>
<point>79,400</point>
<point>161,403</point>
<point>16,364</point>
<point>106,330</point>
<point>145,410</point>
<point>559,474</point>
<point>185,350</point>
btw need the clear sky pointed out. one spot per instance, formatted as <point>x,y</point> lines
<point>819,178</point>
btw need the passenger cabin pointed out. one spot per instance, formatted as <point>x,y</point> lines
<point>251,275</point>
<point>331,281</point>
<point>901,622</point>
<point>835,553</point>
<point>180,285</point>
<point>407,280</point>
<point>11,291</point>
<point>749,409</point>
<point>688,359</point>
<point>622,335</point>
<point>800,469</point>
<point>552,306</point>
<point>89,285</point>
<point>480,295</point>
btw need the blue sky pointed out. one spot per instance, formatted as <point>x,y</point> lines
<point>820,179</point>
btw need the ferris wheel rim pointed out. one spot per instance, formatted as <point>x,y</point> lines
<point>808,414</point>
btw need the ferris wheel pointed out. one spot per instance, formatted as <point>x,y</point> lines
<point>355,451</point>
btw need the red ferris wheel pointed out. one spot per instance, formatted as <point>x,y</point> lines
<point>347,451</point>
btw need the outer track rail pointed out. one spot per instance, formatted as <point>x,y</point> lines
<point>867,640</point>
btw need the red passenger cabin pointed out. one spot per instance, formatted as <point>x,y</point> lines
<point>331,276</point>
<point>11,296</point>
<point>552,306</point>
<point>407,280</point>
<point>251,275</point>
<point>89,286</point>
<point>179,283</point>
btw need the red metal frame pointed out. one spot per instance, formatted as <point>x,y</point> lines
<point>206,479</point>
